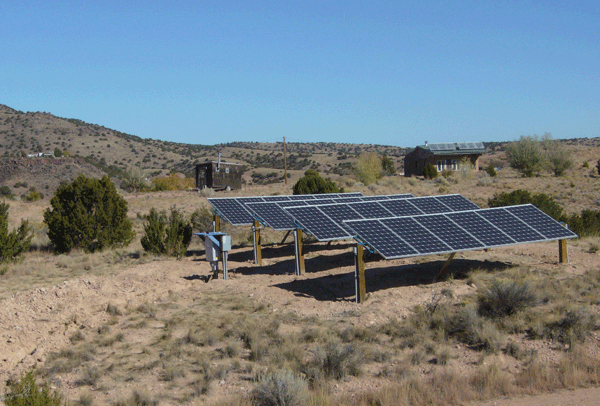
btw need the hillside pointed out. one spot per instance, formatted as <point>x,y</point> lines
<point>24,133</point>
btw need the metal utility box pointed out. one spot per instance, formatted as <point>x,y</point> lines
<point>212,250</point>
<point>219,175</point>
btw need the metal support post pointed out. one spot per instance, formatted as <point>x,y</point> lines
<point>301,267</point>
<point>216,223</point>
<point>360,283</point>
<point>563,254</point>
<point>256,240</point>
<point>224,254</point>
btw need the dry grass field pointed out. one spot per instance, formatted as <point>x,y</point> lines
<point>122,327</point>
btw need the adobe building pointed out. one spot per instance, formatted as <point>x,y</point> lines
<point>442,156</point>
<point>219,175</point>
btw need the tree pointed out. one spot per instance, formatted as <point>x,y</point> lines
<point>526,155</point>
<point>13,244</point>
<point>313,183</point>
<point>88,214</point>
<point>368,168</point>
<point>598,166</point>
<point>58,152</point>
<point>430,171</point>
<point>558,159</point>
<point>388,166</point>
<point>167,235</point>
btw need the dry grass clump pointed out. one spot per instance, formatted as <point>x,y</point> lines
<point>281,388</point>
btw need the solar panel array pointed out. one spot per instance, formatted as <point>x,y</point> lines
<point>399,237</point>
<point>235,211</point>
<point>327,222</point>
<point>273,214</point>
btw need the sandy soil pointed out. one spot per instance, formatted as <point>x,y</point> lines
<point>36,322</point>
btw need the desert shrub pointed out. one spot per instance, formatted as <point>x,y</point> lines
<point>574,326</point>
<point>282,388</point>
<point>26,392</point>
<point>32,196</point>
<point>540,200</point>
<point>585,225</point>
<point>173,182</point>
<point>313,183</point>
<point>598,166</point>
<point>137,398</point>
<point>491,170</point>
<point>336,361</point>
<point>167,235</point>
<point>557,158</point>
<point>430,171</point>
<point>585,164</point>
<point>134,180</point>
<point>88,214</point>
<point>14,243</point>
<point>5,191</point>
<point>526,155</point>
<point>465,325</point>
<point>202,219</point>
<point>503,298</point>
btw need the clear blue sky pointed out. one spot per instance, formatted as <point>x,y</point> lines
<point>386,72</point>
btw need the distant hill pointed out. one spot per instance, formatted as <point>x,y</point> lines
<point>114,152</point>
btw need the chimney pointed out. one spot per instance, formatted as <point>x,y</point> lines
<point>425,143</point>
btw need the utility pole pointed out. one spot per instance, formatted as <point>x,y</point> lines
<point>285,160</point>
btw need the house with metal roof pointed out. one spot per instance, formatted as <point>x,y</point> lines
<point>443,156</point>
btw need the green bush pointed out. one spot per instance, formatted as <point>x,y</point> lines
<point>33,195</point>
<point>26,392</point>
<point>598,166</point>
<point>313,183</point>
<point>164,235</point>
<point>540,200</point>
<point>202,219</point>
<point>13,244</point>
<point>491,170</point>
<point>88,214</point>
<point>585,225</point>
<point>430,171</point>
<point>5,191</point>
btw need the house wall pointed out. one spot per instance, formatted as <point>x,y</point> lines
<point>415,161</point>
<point>228,176</point>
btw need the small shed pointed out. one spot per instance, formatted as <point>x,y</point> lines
<point>443,156</point>
<point>219,175</point>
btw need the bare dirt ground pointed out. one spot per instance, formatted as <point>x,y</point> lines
<point>37,322</point>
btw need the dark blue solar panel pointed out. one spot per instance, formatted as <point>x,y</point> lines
<point>231,210</point>
<point>401,207</point>
<point>415,235</point>
<point>380,239</point>
<point>449,232</point>
<point>370,210</point>
<point>311,219</point>
<point>540,221</point>
<point>272,215</point>
<point>511,225</point>
<point>481,229</point>
<point>348,199</point>
<point>340,212</point>
<point>295,203</point>
<point>301,197</point>
<point>276,198</point>
<point>322,201</point>
<point>457,202</point>
<point>429,205</point>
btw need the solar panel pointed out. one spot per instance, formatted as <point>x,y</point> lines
<point>347,199</point>
<point>313,220</point>
<point>457,202</point>
<point>370,210</point>
<point>339,212</point>
<point>540,221</point>
<point>231,210</point>
<point>511,225</point>
<point>401,207</point>
<point>272,215</point>
<point>463,145</point>
<point>276,198</point>
<point>399,237</point>
<point>301,197</point>
<point>429,205</point>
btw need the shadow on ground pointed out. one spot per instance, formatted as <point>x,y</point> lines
<point>342,287</point>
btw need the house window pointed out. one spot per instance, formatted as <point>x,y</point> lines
<point>453,164</point>
<point>440,165</point>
